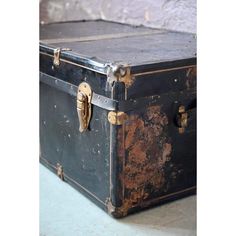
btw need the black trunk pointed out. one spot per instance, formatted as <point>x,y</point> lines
<point>130,142</point>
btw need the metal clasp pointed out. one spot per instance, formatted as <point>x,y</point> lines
<point>57,53</point>
<point>84,97</point>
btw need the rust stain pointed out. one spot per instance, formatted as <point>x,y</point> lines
<point>146,148</point>
<point>191,77</point>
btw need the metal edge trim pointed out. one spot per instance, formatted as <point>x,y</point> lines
<point>97,100</point>
<point>108,103</point>
<point>162,70</point>
<point>103,67</point>
<point>99,68</point>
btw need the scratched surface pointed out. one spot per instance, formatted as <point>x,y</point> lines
<point>64,211</point>
<point>158,47</point>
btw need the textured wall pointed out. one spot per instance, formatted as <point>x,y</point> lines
<point>170,14</point>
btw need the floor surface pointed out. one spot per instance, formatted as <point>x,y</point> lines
<point>65,212</point>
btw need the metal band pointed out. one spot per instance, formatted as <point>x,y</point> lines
<point>111,104</point>
<point>97,100</point>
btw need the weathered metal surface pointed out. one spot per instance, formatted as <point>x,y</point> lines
<point>150,158</point>
<point>144,149</point>
<point>83,156</point>
<point>160,46</point>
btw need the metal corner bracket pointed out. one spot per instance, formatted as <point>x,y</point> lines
<point>119,73</point>
<point>60,172</point>
<point>117,117</point>
<point>115,211</point>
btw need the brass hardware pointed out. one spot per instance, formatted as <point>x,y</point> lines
<point>117,118</point>
<point>57,52</point>
<point>60,172</point>
<point>56,61</point>
<point>125,76</point>
<point>182,119</point>
<point>84,97</point>
<point>120,73</point>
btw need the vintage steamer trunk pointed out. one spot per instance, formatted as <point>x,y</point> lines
<point>118,112</point>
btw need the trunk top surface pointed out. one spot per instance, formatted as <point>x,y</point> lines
<point>116,43</point>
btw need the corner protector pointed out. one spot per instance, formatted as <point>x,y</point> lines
<point>116,212</point>
<point>117,117</point>
<point>119,73</point>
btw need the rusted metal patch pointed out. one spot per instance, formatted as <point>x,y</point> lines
<point>191,76</point>
<point>147,148</point>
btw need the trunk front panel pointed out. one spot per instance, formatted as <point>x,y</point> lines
<point>83,156</point>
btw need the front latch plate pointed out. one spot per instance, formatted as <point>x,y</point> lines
<point>84,97</point>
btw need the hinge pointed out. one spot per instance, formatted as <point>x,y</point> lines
<point>56,56</point>
<point>60,172</point>
<point>117,118</point>
<point>182,119</point>
<point>84,97</point>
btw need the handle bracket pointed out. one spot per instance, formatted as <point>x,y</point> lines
<point>182,119</point>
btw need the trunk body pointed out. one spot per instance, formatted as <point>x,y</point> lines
<point>139,148</point>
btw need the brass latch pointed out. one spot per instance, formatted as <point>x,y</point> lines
<point>56,57</point>
<point>182,119</point>
<point>84,97</point>
<point>117,118</point>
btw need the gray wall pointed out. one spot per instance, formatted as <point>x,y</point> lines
<point>177,15</point>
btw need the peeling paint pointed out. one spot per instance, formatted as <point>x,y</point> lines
<point>147,148</point>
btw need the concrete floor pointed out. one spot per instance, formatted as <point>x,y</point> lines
<point>65,212</point>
